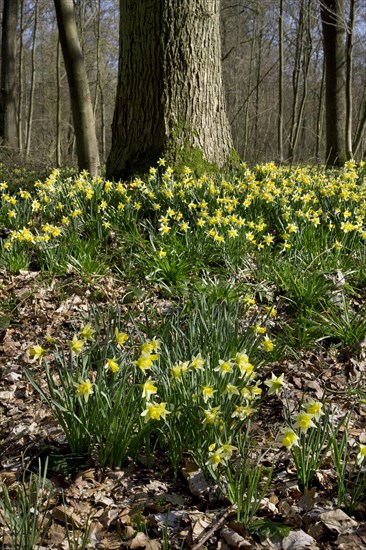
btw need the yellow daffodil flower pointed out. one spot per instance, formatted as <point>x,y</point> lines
<point>76,345</point>
<point>314,409</point>
<point>232,390</point>
<point>87,332</point>
<point>267,344</point>
<point>289,439</point>
<point>112,365</point>
<point>208,393</point>
<point>361,454</point>
<point>145,361</point>
<point>154,411</point>
<point>275,384</point>
<point>148,389</point>
<point>258,329</point>
<point>120,337</point>
<point>224,367</point>
<point>242,412</point>
<point>179,369</point>
<point>304,422</point>
<point>215,459</point>
<point>211,415</point>
<point>85,388</point>
<point>197,362</point>
<point>37,352</point>
<point>227,450</point>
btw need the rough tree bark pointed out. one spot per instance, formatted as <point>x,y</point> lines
<point>349,72</point>
<point>8,104</point>
<point>280,84</point>
<point>332,15</point>
<point>81,104</point>
<point>20,78</point>
<point>58,104</point>
<point>170,98</point>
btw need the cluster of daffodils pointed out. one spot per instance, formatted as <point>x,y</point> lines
<point>220,455</point>
<point>148,356</point>
<point>226,390</point>
<point>311,436</point>
<point>260,330</point>
<point>307,418</point>
<point>230,385</point>
<point>84,386</point>
<point>264,207</point>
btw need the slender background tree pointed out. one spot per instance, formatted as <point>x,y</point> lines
<point>81,103</point>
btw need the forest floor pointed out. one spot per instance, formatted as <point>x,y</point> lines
<point>182,360</point>
<point>146,507</point>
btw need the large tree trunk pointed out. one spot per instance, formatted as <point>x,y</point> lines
<point>8,104</point>
<point>20,78</point>
<point>170,99</point>
<point>332,15</point>
<point>58,104</point>
<point>349,72</point>
<point>81,104</point>
<point>280,84</point>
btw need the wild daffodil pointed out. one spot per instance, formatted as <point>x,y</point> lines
<point>120,337</point>
<point>227,450</point>
<point>314,409</point>
<point>361,454</point>
<point>179,369</point>
<point>76,345</point>
<point>145,361</point>
<point>211,415</point>
<point>232,390</point>
<point>148,389</point>
<point>275,384</point>
<point>112,365</point>
<point>224,367</point>
<point>87,332</point>
<point>304,422</point>
<point>197,362</point>
<point>267,344</point>
<point>154,411</point>
<point>208,393</point>
<point>215,458</point>
<point>242,412</point>
<point>289,438</point>
<point>85,388</point>
<point>37,352</point>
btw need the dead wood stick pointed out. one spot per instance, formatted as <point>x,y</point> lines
<point>211,529</point>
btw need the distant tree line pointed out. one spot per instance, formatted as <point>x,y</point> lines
<point>126,82</point>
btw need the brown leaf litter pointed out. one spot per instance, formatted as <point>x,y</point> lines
<point>138,507</point>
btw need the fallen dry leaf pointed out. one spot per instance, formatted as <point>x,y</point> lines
<point>63,514</point>
<point>299,540</point>
<point>141,541</point>
<point>337,520</point>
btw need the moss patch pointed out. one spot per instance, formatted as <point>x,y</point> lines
<point>193,158</point>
